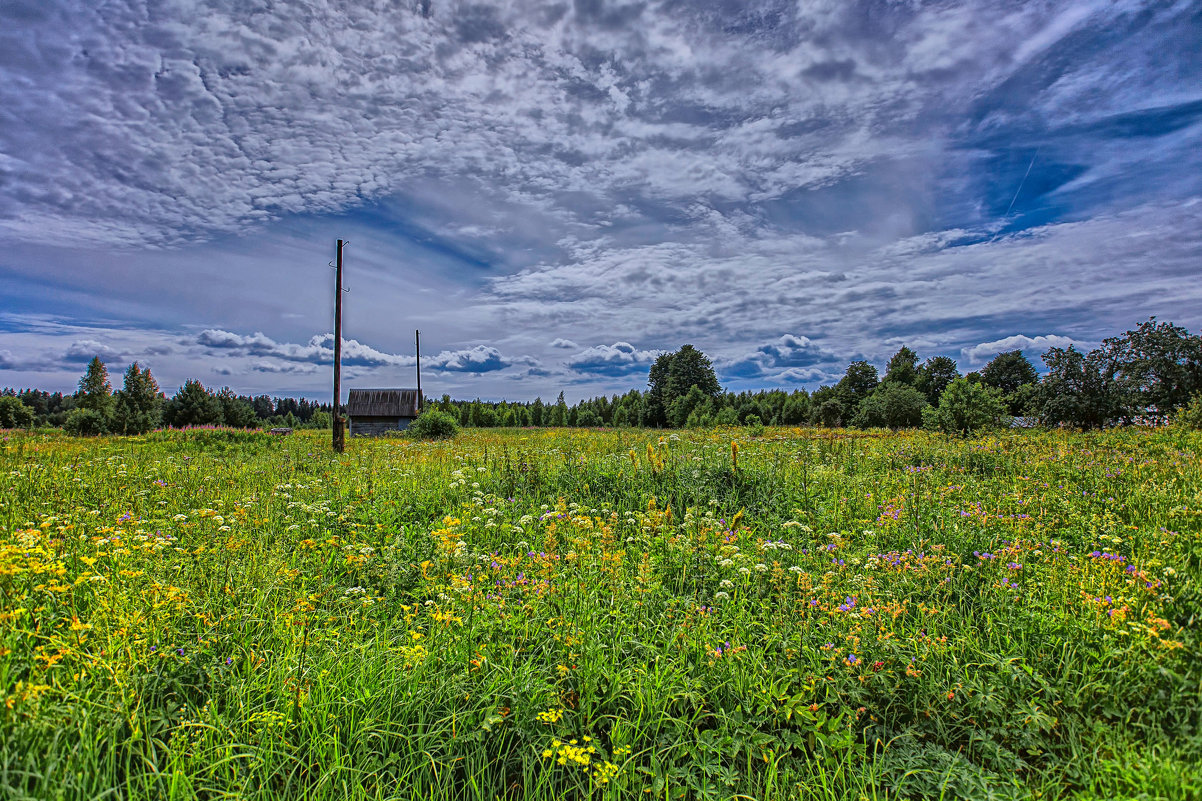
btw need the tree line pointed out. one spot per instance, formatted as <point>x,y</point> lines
<point>140,406</point>
<point>1146,374</point>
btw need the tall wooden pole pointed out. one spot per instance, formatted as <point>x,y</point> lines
<point>339,432</point>
<point>417,344</point>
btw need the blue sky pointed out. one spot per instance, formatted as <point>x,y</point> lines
<point>556,192</point>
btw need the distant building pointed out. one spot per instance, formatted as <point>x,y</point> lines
<point>376,412</point>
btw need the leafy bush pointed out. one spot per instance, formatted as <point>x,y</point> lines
<point>14,414</point>
<point>966,407</point>
<point>755,426</point>
<point>893,405</point>
<point>86,423</point>
<point>829,414</point>
<point>587,418</point>
<point>1191,415</point>
<point>433,424</point>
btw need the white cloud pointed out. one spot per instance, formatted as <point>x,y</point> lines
<point>987,350</point>
<point>618,359</point>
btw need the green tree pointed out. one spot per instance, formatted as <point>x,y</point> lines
<point>14,413</point>
<point>1008,373</point>
<point>671,377</point>
<point>680,408</point>
<point>95,391</point>
<point>796,410</point>
<point>1157,368</point>
<point>557,414</point>
<point>239,412</point>
<point>85,423</point>
<point>892,405</point>
<point>1190,415</point>
<point>826,407</point>
<point>856,384</point>
<point>934,375</point>
<point>966,407</point>
<point>902,367</point>
<point>193,405</point>
<point>1078,390</point>
<point>139,404</point>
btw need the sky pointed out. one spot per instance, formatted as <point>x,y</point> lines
<point>556,193</point>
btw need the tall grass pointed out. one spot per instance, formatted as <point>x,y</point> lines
<point>570,614</point>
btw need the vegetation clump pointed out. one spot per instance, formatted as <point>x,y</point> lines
<point>433,424</point>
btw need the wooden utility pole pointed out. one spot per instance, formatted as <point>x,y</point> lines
<point>417,344</point>
<point>339,432</point>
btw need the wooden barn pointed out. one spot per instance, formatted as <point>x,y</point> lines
<point>376,412</point>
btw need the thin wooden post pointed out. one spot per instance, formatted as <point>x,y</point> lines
<point>417,343</point>
<point>339,441</point>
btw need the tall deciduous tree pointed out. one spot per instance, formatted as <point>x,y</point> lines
<point>856,384</point>
<point>1157,367</point>
<point>902,367</point>
<point>1077,390</point>
<point>1010,373</point>
<point>672,376</point>
<point>934,375</point>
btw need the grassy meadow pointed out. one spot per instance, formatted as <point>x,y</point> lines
<point>602,614</point>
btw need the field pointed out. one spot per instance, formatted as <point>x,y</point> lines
<point>602,614</point>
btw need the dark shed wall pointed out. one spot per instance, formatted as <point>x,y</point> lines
<point>374,426</point>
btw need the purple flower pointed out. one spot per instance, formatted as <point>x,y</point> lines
<point>852,659</point>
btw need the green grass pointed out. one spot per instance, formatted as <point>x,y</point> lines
<point>627,614</point>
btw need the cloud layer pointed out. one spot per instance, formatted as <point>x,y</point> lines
<point>556,192</point>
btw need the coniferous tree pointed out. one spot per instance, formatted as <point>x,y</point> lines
<point>193,405</point>
<point>95,391</point>
<point>139,404</point>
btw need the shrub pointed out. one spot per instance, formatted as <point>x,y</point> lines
<point>829,414</point>
<point>891,404</point>
<point>1191,415</point>
<point>86,423</point>
<point>14,413</point>
<point>755,427</point>
<point>587,418</point>
<point>433,424</point>
<point>966,407</point>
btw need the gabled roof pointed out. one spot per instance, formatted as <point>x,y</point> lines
<point>382,403</point>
